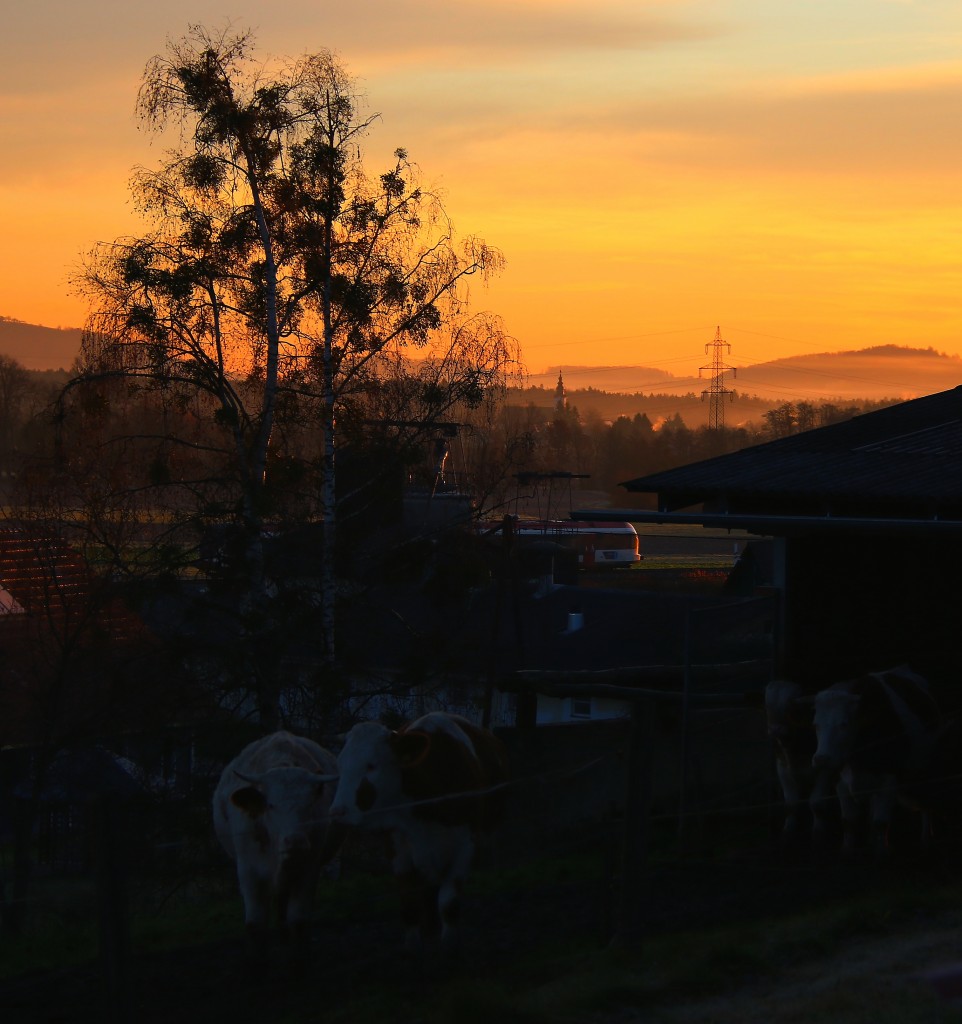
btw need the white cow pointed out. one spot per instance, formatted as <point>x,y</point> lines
<point>790,727</point>
<point>878,734</point>
<point>432,786</point>
<point>271,816</point>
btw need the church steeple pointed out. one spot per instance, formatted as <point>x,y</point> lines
<point>560,399</point>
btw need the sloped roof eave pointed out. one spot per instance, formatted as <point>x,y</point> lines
<point>906,458</point>
<point>771,524</point>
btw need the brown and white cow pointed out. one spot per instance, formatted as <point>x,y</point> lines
<point>877,732</point>
<point>433,785</point>
<point>271,816</point>
<point>805,788</point>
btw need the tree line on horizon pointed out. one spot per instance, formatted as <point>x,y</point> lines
<point>645,438</point>
<point>607,437</point>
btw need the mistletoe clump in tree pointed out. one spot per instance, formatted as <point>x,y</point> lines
<point>279,284</point>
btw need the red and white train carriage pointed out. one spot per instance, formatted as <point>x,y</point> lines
<point>598,544</point>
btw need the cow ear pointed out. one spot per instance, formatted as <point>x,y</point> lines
<point>410,748</point>
<point>250,800</point>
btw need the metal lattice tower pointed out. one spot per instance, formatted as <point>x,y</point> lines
<point>717,391</point>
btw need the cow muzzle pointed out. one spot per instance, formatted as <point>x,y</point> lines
<point>294,844</point>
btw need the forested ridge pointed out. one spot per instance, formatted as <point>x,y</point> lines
<point>604,437</point>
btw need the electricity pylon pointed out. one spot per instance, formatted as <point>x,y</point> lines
<point>716,391</point>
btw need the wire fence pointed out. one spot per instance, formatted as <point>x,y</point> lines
<point>684,772</point>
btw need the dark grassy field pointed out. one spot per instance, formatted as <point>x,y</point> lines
<point>732,933</point>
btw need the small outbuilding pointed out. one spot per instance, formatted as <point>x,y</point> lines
<point>865,520</point>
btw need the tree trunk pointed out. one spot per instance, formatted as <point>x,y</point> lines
<point>329,505</point>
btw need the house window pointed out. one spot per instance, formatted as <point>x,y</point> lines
<point>581,708</point>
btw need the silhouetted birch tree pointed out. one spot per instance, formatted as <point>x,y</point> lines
<point>275,269</point>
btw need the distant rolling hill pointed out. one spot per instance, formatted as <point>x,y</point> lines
<point>39,348</point>
<point>885,371</point>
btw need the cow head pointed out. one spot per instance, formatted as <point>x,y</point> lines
<point>835,720</point>
<point>782,708</point>
<point>288,806</point>
<point>370,770</point>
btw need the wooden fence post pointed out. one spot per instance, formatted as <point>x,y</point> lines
<point>638,767</point>
<point>684,775</point>
<point>112,905</point>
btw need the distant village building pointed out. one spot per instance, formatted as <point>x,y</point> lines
<point>560,396</point>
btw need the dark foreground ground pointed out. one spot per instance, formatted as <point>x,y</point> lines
<point>719,940</point>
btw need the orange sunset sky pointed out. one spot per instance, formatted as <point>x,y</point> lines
<point>788,169</point>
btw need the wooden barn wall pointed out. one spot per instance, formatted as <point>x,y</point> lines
<point>861,603</point>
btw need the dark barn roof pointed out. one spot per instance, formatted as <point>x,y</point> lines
<point>899,463</point>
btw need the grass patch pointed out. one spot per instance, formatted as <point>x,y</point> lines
<point>207,921</point>
<point>561,978</point>
<point>585,866</point>
<point>560,985</point>
<point>50,945</point>
<point>59,929</point>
